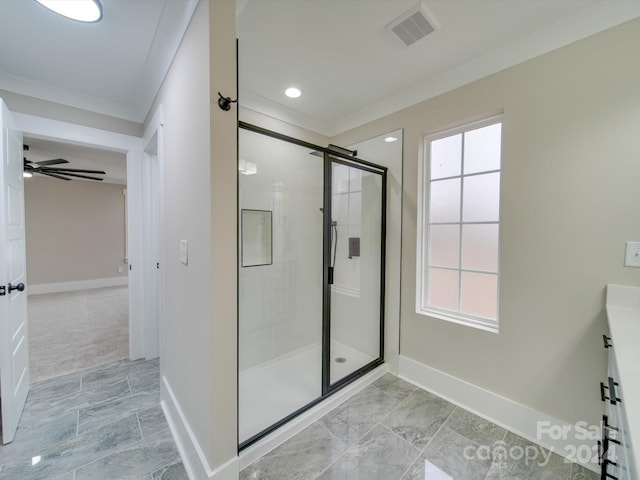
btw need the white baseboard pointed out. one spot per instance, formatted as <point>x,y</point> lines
<point>265,445</point>
<point>511,415</point>
<point>193,458</point>
<point>76,285</point>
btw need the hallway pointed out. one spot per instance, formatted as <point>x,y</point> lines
<point>98,424</point>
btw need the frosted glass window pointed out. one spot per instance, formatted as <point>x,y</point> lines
<point>458,233</point>
<point>444,245</point>
<point>446,156</point>
<point>480,247</point>
<point>443,288</point>
<point>482,149</point>
<point>481,202</point>
<point>445,201</point>
<point>479,294</point>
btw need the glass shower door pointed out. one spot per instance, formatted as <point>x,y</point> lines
<point>356,270</point>
<point>279,282</point>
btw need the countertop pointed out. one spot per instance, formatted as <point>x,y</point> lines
<point>623,314</point>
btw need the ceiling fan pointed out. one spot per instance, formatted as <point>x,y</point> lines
<point>46,167</point>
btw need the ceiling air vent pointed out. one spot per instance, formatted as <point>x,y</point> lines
<point>413,25</point>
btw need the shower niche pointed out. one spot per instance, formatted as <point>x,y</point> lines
<point>311,314</point>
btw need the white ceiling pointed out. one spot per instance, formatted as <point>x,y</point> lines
<point>113,67</point>
<point>352,71</point>
<point>337,51</point>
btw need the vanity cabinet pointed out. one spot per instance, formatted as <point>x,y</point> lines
<point>620,391</point>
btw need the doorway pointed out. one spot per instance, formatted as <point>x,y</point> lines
<point>311,275</point>
<point>76,259</point>
<point>132,147</point>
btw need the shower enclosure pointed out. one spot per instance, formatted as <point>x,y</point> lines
<point>311,275</point>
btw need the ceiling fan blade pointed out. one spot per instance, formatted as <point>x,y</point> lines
<point>53,175</point>
<point>76,170</point>
<point>55,161</point>
<point>59,174</point>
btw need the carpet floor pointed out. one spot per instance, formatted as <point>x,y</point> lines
<point>73,331</point>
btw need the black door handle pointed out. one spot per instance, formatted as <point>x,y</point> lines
<point>19,287</point>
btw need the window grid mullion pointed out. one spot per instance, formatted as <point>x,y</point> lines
<point>461,220</point>
<point>462,175</point>
<point>466,270</point>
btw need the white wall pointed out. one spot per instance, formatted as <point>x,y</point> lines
<point>75,230</point>
<point>199,329</point>
<point>569,200</point>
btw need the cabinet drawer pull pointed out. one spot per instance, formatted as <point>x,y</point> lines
<point>611,387</point>
<point>607,341</point>
<point>603,472</point>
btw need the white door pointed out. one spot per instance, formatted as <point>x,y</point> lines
<point>14,335</point>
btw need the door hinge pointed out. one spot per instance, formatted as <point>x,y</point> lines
<point>3,290</point>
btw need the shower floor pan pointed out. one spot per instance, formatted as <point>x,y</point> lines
<point>270,392</point>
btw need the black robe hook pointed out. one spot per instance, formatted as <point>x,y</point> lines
<point>225,102</point>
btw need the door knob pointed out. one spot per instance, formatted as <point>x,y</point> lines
<point>19,287</point>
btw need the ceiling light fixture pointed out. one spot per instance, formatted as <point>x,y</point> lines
<point>390,139</point>
<point>89,11</point>
<point>27,174</point>
<point>292,92</point>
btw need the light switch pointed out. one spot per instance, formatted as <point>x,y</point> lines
<point>184,255</point>
<point>632,254</point>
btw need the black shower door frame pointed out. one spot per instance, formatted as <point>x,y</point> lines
<point>330,157</point>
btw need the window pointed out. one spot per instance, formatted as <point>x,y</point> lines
<point>458,225</point>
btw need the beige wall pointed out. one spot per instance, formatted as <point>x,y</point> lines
<point>569,202</point>
<point>198,344</point>
<point>75,230</point>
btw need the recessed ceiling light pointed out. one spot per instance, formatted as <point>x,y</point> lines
<point>89,11</point>
<point>292,92</point>
<point>390,139</point>
<point>26,174</point>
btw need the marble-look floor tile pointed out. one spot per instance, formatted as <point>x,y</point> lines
<point>153,422</point>
<point>99,379</point>
<point>418,418</point>
<point>28,442</point>
<point>524,460</point>
<point>355,417</point>
<point>302,457</point>
<point>450,456</point>
<point>395,386</point>
<point>137,461</point>
<point>54,387</point>
<point>112,410</point>
<point>172,472</point>
<point>66,476</point>
<point>38,410</point>
<point>578,472</point>
<point>380,455</point>
<point>475,428</point>
<point>83,449</point>
<point>144,382</point>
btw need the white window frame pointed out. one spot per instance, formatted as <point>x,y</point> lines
<point>422,263</point>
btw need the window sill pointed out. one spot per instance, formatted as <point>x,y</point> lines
<point>475,322</point>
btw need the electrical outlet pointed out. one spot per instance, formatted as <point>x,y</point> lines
<point>120,269</point>
<point>632,254</point>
